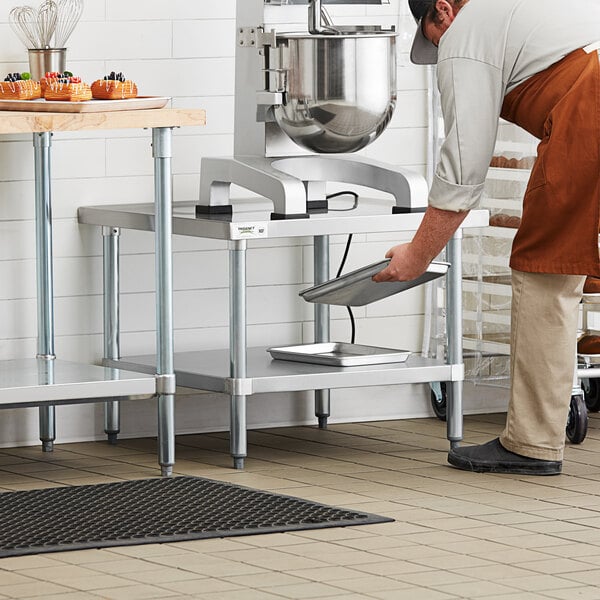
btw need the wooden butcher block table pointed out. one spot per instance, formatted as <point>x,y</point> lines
<point>44,380</point>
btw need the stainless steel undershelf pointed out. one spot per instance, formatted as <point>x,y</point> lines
<point>34,382</point>
<point>240,372</point>
<point>209,370</point>
<point>251,220</point>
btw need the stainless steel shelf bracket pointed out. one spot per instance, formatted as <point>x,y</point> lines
<point>165,384</point>
<point>239,386</point>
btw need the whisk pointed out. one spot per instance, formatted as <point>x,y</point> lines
<point>23,21</point>
<point>46,22</point>
<point>52,23</point>
<point>68,15</point>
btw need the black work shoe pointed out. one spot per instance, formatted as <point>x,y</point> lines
<point>494,458</point>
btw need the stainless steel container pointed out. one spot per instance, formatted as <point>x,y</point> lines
<point>42,60</point>
<point>339,89</point>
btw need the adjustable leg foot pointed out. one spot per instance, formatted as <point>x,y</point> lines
<point>166,471</point>
<point>323,422</point>
<point>112,413</point>
<point>48,446</point>
<point>238,462</point>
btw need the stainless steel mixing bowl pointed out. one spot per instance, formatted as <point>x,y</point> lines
<point>340,89</point>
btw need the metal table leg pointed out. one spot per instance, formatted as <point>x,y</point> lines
<point>112,348</point>
<point>322,334</point>
<point>237,350</point>
<point>165,384</point>
<point>455,337</point>
<point>44,274</point>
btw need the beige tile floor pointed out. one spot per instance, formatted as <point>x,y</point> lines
<point>455,534</point>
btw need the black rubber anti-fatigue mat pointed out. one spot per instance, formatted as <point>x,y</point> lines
<point>152,511</point>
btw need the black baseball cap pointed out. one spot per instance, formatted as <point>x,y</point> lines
<point>423,52</point>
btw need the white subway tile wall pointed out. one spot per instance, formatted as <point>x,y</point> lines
<point>184,49</point>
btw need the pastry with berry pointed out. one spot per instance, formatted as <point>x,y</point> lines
<point>51,76</point>
<point>114,87</point>
<point>66,87</point>
<point>19,86</point>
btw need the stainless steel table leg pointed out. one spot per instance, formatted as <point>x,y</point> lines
<point>322,334</point>
<point>237,349</point>
<point>112,348</point>
<point>163,200</point>
<point>44,273</point>
<point>455,338</point>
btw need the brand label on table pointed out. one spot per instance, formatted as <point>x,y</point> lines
<point>249,231</point>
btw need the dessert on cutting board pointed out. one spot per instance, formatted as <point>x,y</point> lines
<point>114,87</point>
<point>20,86</point>
<point>66,87</point>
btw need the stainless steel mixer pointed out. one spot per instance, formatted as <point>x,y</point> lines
<point>304,101</point>
<point>339,89</point>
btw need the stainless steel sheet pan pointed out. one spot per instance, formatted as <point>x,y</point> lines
<point>589,359</point>
<point>339,354</point>
<point>357,288</point>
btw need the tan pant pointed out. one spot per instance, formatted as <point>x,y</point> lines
<point>543,341</point>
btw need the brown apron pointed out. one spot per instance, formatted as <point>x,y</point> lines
<point>559,227</point>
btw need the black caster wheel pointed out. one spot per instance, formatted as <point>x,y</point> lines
<point>591,393</point>
<point>440,403</point>
<point>577,421</point>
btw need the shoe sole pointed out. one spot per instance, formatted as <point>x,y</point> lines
<point>466,464</point>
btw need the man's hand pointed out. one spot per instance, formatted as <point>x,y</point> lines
<point>406,264</point>
<point>411,260</point>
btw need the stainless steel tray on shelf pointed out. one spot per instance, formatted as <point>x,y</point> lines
<point>357,288</point>
<point>339,354</point>
<point>588,359</point>
<point>591,298</point>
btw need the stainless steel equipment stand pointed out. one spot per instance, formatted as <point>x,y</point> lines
<point>240,372</point>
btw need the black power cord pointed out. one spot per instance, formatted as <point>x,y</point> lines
<point>345,256</point>
<point>347,193</point>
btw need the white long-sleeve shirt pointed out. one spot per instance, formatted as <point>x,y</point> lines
<point>490,48</point>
